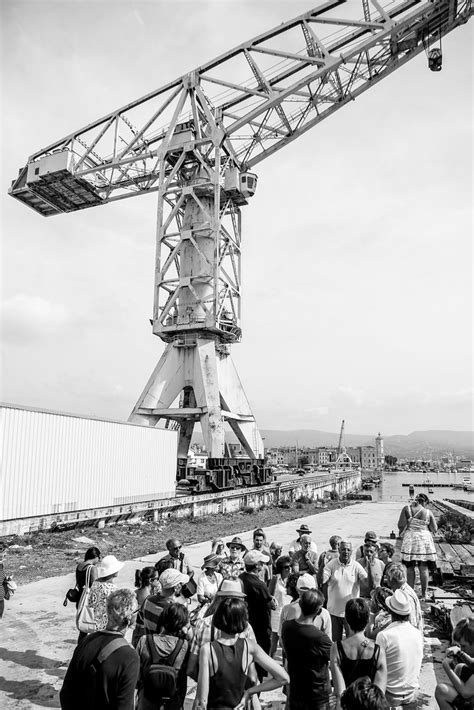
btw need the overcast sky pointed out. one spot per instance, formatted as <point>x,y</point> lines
<point>357,257</point>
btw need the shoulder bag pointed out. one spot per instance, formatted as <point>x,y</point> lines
<point>85,621</point>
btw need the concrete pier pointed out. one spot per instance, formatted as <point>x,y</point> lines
<point>38,633</point>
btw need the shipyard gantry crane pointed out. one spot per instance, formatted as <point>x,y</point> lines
<point>196,142</point>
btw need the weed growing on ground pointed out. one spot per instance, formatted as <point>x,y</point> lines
<point>55,553</point>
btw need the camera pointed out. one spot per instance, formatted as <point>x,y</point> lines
<point>453,651</point>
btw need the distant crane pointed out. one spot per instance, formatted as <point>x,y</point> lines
<point>341,434</point>
<point>196,141</point>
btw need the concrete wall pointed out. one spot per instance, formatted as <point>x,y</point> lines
<point>315,487</point>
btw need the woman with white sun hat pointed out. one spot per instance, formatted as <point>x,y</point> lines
<point>102,587</point>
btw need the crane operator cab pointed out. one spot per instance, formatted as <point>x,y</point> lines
<point>239,185</point>
<point>435,59</point>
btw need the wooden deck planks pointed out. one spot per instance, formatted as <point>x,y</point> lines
<point>463,554</point>
<point>450,557</point>
<point>449,552</point>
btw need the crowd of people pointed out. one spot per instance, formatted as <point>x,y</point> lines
<point>322,625</point>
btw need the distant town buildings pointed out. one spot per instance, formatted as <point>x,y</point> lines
<point>367,457</point>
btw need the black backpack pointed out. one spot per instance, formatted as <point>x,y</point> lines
<point>161,678</point>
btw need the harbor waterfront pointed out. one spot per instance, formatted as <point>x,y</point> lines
<point>392,486</point>
<point>39,634</point>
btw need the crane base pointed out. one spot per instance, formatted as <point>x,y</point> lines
<point>204,377</point>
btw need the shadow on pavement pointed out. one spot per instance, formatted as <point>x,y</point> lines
<point>30,659</point>
<point>42,694</point>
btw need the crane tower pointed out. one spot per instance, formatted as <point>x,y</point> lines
<point>196,142</point>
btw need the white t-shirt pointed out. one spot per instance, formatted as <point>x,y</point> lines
<point>343,584</point>
<point>207,588</point>
<point>293,611</point>
<point>403,645</point>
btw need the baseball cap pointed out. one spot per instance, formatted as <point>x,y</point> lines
<point>253,557</point>
<point>306,581</point>
<point>172,577</point>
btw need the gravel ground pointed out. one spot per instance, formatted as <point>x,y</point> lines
<point>49,554</point>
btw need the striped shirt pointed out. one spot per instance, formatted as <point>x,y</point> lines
<point>149,616</point>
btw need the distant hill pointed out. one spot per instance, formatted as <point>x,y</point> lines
<point>311,438</point>
<point>416,444</point>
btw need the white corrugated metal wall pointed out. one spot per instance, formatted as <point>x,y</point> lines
<point>55,463</point>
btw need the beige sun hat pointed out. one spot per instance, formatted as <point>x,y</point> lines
<point>231,588</point>
<point>399,603</point>
<point>109,565</point>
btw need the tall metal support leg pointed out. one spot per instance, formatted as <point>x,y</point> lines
<point>197,291</point>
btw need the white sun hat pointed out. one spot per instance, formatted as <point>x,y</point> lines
<point>109,565</point>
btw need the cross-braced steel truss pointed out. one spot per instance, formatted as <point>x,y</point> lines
<point>261,95</point>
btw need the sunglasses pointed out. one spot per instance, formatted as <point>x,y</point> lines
<point>233,547</point>
<point>178,547</point>
<point>286,567</point>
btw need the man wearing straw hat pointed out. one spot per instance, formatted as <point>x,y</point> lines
<point>295,546</point>
<point>232,566</point>
<point>171,581</point>
<point>403,646</point>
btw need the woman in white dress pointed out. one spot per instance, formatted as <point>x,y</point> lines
<point>417,526</point>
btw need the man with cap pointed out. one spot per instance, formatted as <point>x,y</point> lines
<point>210,580</point>
<point>305,560</point>
<point>374,568</point>
<point>403,646</point>
<point>205,631</point>
<point>232,566</point>
<point>296,544</point>
<point>259,601</point>
<point>370,536</point>
<point>322,620</point>
<point>171,581</point>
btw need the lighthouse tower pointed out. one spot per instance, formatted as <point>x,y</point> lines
<point>379,455</point>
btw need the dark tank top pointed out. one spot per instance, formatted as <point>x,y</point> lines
<point>354,668</point>
<point>227,682</point>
